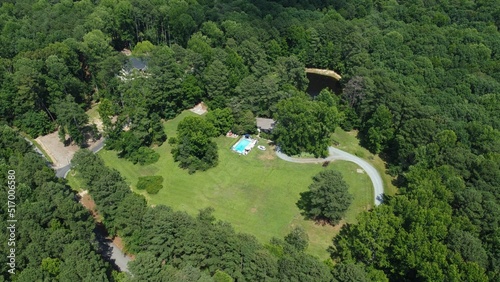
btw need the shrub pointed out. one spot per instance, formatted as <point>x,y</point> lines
<point>144,156</point>
<point>360,154</point>
<point>265,135</point>
<point>152,184</point>
<point>173,140</point>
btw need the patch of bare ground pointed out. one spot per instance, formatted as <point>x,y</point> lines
<point>98,123</point>
<point>199,109</point>
<point>339,226</point>
<point>126,52</point>
<point>335,227</point>
<point>268,154</point>
<point>86,200</point>
<point>324,72</point>
<point>88,203</point>
<point>60,153</point>
<point>94,117</point>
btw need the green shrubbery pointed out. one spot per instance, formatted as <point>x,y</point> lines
<point>152,184</point>
<point>144,156</point>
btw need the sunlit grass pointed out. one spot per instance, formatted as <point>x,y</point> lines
<point>255,193</point>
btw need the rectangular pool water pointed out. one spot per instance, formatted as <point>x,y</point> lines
<point>241,145</point>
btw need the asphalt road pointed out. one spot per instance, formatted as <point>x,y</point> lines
<point>109,251</point>
<point>118,258</point>
<point>337,154</point>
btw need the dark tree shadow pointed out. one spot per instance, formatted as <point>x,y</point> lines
<point>305,205</point>
<point>89,133</point>
<point>104,244</point>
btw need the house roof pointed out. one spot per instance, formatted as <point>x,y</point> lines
<point>136,63</point>
<point>265,123</point>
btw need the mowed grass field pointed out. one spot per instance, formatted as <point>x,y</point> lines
<point>256,193</point>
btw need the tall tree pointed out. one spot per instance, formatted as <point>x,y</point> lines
<point>304,126</point>
<point>72,120</point>
<point>328,197</point>
<point>380,129</point>
<point>195,149</point>
<point>216,79</point>
<point>292,71</point>
<point>221,119</point>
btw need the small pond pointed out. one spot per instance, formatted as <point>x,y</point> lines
<point>319,82</point>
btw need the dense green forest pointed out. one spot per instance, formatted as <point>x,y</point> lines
<point>421,83</point>
<point>54,240</point>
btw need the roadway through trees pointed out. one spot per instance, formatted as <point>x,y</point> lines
<point>110,251</point>
<point>337,154</point>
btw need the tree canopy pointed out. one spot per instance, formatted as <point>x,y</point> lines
<point>195,149</point>
<point>420,83</point>
<point>304,125</point>
<point>328,197</point>
<point>54,239</point>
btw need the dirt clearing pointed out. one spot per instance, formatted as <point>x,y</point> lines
<point>199,109</point>
<point>61,155</point>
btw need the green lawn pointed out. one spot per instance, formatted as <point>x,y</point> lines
<point>93,113</point>
<point>255,193</point>
<point>74,182</point>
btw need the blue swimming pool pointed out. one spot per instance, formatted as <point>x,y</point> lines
<point>241,145</point>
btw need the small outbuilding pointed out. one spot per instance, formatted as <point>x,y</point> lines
<point>265,124</point>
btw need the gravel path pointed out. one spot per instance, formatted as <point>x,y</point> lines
<point>337,154</point>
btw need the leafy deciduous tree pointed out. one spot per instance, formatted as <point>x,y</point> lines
<point>328,197</point>
<point>304,126</point>
<point>196,150</point>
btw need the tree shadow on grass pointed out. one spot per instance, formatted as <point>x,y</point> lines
<point>308,211</point>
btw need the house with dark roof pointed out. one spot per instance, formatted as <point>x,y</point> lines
<point>137,63</point>
<point>133,65</point>
<point>265,124</point>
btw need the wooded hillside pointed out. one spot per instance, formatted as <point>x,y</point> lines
<point>421,83</point>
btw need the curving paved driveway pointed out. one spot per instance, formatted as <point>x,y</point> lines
<point>337,154</point>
